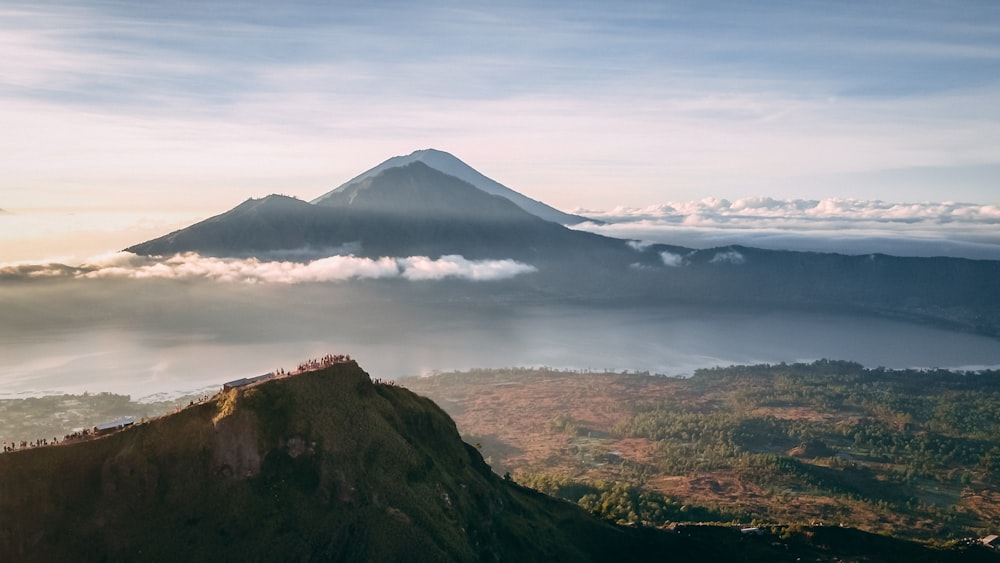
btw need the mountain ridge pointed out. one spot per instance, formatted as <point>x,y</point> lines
<point>402,211</point>
<point>321,466</point>
<point>417,210</point>
<point>451,165</point>
<point>329,465</point>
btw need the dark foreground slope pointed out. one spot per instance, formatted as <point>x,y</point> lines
<point>327,466</point>
<point>324,466</point>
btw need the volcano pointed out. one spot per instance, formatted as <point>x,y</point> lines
<point>406,207</point>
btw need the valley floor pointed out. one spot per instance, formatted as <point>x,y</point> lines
<point>913,454</point>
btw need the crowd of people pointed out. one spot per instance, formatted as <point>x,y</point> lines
<point>14,445</point>
<point>324,362</point>
<point>24,444</point>
<point>86,433</point>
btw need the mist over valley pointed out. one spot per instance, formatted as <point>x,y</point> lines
<point>423,264</point>
<point>146,337</point>
<point>696,282</point>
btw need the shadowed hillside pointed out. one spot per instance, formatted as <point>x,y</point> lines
<point>452,166</point>
<point>413,209</point>
<point>329,466</point>
<point>318,467</point>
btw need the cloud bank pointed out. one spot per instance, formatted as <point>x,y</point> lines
<point>192,266</point>
<point>802,211</point>
<point>848,226</point>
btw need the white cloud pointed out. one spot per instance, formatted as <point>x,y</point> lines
<point>423,268</point>
<point>191,266</point>
<point>671,259</point>
<point>715,210</point>
<point>728,257</point>
<point>184,111</point>
<point>850,226</point>
<point>638,245</point>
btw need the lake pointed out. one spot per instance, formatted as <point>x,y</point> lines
<point>151,337</point>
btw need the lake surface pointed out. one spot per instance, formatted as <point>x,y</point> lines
<point>147,338</point>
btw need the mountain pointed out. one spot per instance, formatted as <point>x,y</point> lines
<point>452,166</point>
<point>328,465</point>
<point>417,210</point>
<point>321,466</point>
<point>400,211</point>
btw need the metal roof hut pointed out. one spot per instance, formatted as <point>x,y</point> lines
<point>246,381</point>
<point>116,424</point>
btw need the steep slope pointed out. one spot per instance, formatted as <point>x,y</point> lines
<point>329,466</point>
<point>434,213</point>
<point>257,226</point>
<point>402,211</point>
<point>417,210</point>
<point>416,189</point>
<point>449,164</point>
<point>322,466</point>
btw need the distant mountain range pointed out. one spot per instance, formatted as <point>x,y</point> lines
<point>414,206</point>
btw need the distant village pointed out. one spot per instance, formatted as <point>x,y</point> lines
<point>120,423</point>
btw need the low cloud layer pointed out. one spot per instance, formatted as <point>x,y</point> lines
<point>728,257</point>
<point>832,225</point>
<point>671,259</point>
<point>191,266</point>
<point>713,210</point>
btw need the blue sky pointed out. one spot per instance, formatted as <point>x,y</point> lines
<point>194,106</point>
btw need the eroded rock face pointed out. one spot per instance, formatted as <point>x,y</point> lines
<point>129,476</point>
<point>236,446</point>
<point>322,466</point>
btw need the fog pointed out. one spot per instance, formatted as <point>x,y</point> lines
<point>148,336</point>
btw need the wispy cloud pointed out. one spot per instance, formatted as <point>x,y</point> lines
<point>728,257</point>
<point>624,103</point>
<point>191,266</point>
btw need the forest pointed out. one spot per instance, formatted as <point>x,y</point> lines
<point>912,453</point>
<point>909,453</point>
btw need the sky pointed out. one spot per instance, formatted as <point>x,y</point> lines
<point>120,121</point>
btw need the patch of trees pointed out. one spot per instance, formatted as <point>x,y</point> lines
<point>906,445</point>
<point>623,503</point>
<point>885,435</point>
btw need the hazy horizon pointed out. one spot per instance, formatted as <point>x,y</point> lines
<point>851,128</point>
<point>179,105</point>
<point>961,230</point>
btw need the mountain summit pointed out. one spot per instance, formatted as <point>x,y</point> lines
<point>407,207</point>
<point>407,210</point>
<point>321,466</point>
<point>452,166</point>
